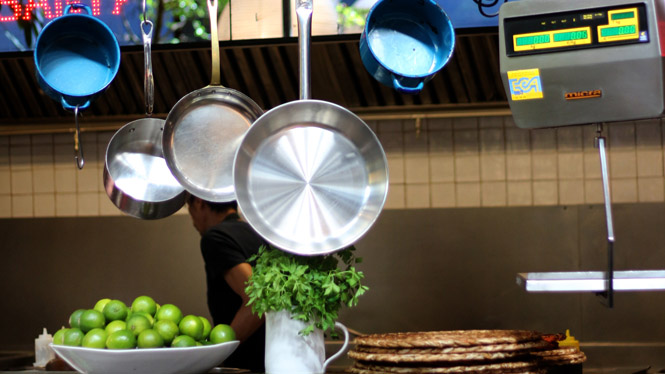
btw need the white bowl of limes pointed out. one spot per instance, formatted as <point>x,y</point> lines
<point>184,360</point>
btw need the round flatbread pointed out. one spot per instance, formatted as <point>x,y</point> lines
<point>434,357</point>
<point>503,367</point>
<point>454,338</point>
<point>557,352</point>
<point>516,347</point>
<point>531,371</point>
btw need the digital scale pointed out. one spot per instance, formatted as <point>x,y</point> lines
<point>580,62</point>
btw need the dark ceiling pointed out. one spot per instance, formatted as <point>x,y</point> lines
<point>266,72</point>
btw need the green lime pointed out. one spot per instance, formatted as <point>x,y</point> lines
<point>150,339</point>
<point>206,327</point>
<point>75,317</point>
<point>144,304</point>
<point>121,339</point>
<point>114,326</point>
<point>115,310</point>
<point>73,336</point>
<point>222,333</point>
<point>137,323</point>
<point>99,306</point>
<point>91,319</point>
<point>59,336</point>
<point>150,318</point>
<point>169,312</point>
<point>183,341</point>
<point>95,338</point>
<point>191,325</point>
<point>168,330</point>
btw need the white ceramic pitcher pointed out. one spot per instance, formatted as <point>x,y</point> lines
<point>287,352</point>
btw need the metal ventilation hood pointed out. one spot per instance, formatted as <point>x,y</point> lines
<point>265,70</point>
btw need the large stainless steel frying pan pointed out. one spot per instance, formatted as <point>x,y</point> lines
<point>136,177</point>
<point>203,131</point>
<point>310,176</point>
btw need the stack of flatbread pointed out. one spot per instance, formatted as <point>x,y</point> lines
<point>452,352</point>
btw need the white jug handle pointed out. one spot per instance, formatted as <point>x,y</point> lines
<point>341,350</point>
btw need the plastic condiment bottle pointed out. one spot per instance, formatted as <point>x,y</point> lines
<point>570,341</point>
<point>43,352</point>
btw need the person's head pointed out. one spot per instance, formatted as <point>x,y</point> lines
<point>206,214</point>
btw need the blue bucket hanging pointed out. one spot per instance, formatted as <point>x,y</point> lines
<point>76,57</point>
<point>406,42</point>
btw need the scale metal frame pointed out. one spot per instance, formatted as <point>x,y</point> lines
<point>580,62</point>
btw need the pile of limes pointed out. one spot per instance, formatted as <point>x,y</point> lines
<point>144,324</point>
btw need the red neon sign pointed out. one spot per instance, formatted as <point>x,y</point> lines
<point>51,11</point>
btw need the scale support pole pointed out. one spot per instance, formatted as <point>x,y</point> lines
<point>608,294</point>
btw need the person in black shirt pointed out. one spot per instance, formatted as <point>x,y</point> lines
<point>226,244</point>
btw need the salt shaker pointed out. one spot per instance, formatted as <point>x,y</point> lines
<point>43,352</point>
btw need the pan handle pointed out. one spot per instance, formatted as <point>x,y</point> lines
<point>304,13</point>
<point>78,147</point>
<point>148,79</point>
<point>215,80</point>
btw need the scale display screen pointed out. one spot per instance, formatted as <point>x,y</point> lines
<point>588,28</point>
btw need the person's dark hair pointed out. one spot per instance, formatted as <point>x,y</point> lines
<point>215,207</point>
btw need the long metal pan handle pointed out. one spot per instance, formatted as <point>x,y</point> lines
<point>148,79</point>
<point>304,13</point>
<point>215,80</point>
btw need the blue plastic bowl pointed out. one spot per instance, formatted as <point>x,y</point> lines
<point>76,58</point>
<point>406,42</point>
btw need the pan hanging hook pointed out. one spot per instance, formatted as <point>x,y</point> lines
<point>148,80</point>
<point>78,146</point>
<point>145,18</point>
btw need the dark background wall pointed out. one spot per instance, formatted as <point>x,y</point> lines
<point>427,270</point>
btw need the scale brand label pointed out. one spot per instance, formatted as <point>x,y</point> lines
<point>525,84</point>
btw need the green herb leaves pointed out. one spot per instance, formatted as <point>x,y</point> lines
<point>312,288</point>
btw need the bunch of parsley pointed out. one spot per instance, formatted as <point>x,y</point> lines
<point>313,288</point>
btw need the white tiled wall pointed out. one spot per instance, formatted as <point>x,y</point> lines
<point>434,163</point>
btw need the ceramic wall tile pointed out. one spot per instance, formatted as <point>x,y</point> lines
<point>443,195</point>
<point>4,155</point>
<point>624,190</point>
<point>467,168</point>
<point>42,155</point>
<point>492,140</point>
<point>442,168</point>
<point>89,179</point>
<point>22,206</point>
<point>65,179</point>
<point>64,156</point>
<point>622,164</point>
<point>439,124</point>
<point>21,181</point>
<point>441,142</point>
<point>392,142</point>
<point>520,193</point>
<point>648,134</point>
<point>417,196</point>
<point>5,206</point>
<point>569,139</point>
<point>518,141</point>
<point>415,143</point>
<point>622,136</point>
<point>571,192</point>
<point>543,140</point>
<point>466,142</point>
<point>467,195</point>
<point>396,198</point>
<point>41,139</point>
<point>494,194</point>
<point>545,193</point>
<point>490,122</point>
<point>571,165</point>
<point>492,167</point>
<point>518,167</point>
<point>66,204</point>
<point>87,204</point>
<point>20,157</point>
<point>591,165</point>
<point>650,190</point>
<point>106,206</point>
<point>396,168</point>
<point>417,169</point>
<point>19,140</point>
<point>593,191</point>
<point>43,180</point>
<point>465,123</point>
<point>44,204</point>
<point>545,165</point>
<point>649,162</point>
<point>5,181</point>
<point>390,126</point>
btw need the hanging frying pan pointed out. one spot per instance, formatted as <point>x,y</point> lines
<point>136,177</point>
<point>310,176</point>
<point>203,131</point>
